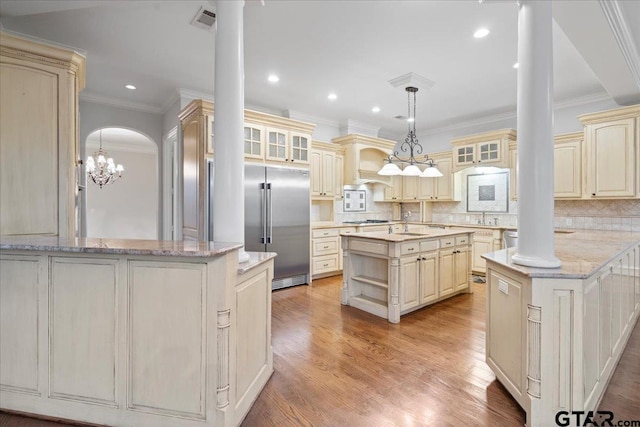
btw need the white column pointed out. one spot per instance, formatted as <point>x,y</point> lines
<point>535,136</point>
<point>228,191</point>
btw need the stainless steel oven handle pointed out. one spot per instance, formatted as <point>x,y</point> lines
<point>270,234</point>
<point>263,214</point>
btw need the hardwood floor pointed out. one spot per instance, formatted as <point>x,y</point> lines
<point>338,366</point>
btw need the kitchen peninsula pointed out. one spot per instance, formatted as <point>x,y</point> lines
<point>133,332</point>
<point>554,336</point>
<point>389,275</point>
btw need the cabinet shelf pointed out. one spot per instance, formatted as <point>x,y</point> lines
<point>371,281</point>
<point>370,305</point>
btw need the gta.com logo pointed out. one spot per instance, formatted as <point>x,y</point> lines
<point>591,418</point>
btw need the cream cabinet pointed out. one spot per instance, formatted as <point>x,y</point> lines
<point>567,166</point>
<point>419,277</point>
<point>484,241</point>
<point>195,121</point>
<point>326,250</point>
<point>612,153</point>
<point>454,266</point>
<point>444,188</point>
<point>339,173</point>
<point>326,170</point>
<point>38,137</point>
<point>363,158</point>
<point>287,146</point>
<point>254,141</point>
<point>410,188</point>
<point>485,149</point>
<point>392,192</point>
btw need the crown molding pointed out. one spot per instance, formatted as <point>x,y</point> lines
<point>296,115</point>
<point>119,103</point>
<point>624,38</point>
<point>194,94</point>
<point>583,100</point>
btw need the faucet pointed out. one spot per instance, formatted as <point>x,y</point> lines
<point>483,218</point>
<point>390,228</point>
<point>406,221</point>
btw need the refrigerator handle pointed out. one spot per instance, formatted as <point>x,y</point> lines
<point>263,214</point>
<point>270,214</point>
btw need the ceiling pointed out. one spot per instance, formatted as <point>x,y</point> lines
<point>352,48</point>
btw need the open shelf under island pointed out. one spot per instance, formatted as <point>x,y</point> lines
<point>389,275</point>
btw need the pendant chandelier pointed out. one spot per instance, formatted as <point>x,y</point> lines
<point>413,156</point>
<point>101,168</point>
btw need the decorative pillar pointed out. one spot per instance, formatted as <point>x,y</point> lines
<point>535,246</point>
<point>228,191</point>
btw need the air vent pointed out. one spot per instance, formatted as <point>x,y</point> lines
<point>400,117</point>
<point>204,19</point>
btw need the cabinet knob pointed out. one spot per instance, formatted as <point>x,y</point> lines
<point>419,259</point>
<point>286,160</point>
<point>424,259</point>
<point>291,160</point>
<point>593,194</point>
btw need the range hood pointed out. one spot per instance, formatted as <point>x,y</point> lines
<point>363,158</point>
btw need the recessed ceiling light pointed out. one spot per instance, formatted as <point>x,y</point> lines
<point>273,78</point>
<point>332,96</point>
<point>516,65</point>
<point>480,33</point>
<point>376,109</point>
<point>130,87</point>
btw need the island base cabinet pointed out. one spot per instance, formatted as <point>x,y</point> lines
<point>392,278</point>
<point>133,340</point>
<point>554,343</point>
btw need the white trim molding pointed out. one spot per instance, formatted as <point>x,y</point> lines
<point>120,103</point>
<point>624,38</point>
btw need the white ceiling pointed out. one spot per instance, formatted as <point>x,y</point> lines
<point>350,47</point>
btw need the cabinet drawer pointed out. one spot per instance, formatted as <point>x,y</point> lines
<point>324,232</point>
<point>350,230</point>
<point>462,240</point>
<point>324,264</point>
<point>325,246</point>
<point>430,245</point>
<point>447,243</point>
<point>410,248</point>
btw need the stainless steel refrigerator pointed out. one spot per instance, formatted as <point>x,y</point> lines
<point>277,219</point>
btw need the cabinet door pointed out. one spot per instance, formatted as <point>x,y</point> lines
<point>461,276</point>
<point>489,152</point>
<point>444,184</point>
<point>316,172</point>
<point>277,145</point>
<point>513,174</point>
<point>481,246</point>
<point>339,174</point>
<point>426,188</point>
<point>464,156</point>
<point>567,171</point>
<point>409,282</point>
<point>253,141</point>
<point>209,134</point>
<point>428,277</point>
<point>300,147</point>
<point>328,173</point>
<point>612,161</point>
<point>410,187</point>
<point>394,192</point>
<point>446,268</point>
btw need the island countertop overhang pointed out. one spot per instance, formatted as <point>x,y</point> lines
<point>169,248</point>
<point>400,237</point>
<point>582,254</point>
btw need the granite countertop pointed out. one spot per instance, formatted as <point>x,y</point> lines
<point>118,246</point>
<point>255,259</point>
<point>398,237</point>
<point>435,224</point>
<point>582,253</point>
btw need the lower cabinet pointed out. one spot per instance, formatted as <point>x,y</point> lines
<point>326,251</point>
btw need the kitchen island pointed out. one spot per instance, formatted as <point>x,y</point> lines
<point>389,275</point>
<point>133,332</point>
<point>554,336</point>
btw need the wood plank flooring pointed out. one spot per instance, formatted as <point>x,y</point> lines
<point>338,366</point>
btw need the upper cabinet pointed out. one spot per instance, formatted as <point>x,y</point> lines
<point>442,189</point>
<point>38,137</point>
<point>612,153</point>
<point>485,149</point>
<point>363,158</point>
<point>326,170</point>
<point>276,139</point>
<point>567,166</point>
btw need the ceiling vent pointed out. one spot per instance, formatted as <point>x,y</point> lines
<point>204,19</point>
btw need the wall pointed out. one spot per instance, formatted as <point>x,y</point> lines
<point>93,116</point>
<point>126,208</point>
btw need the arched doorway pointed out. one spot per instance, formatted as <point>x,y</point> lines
<point>128,207</point>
